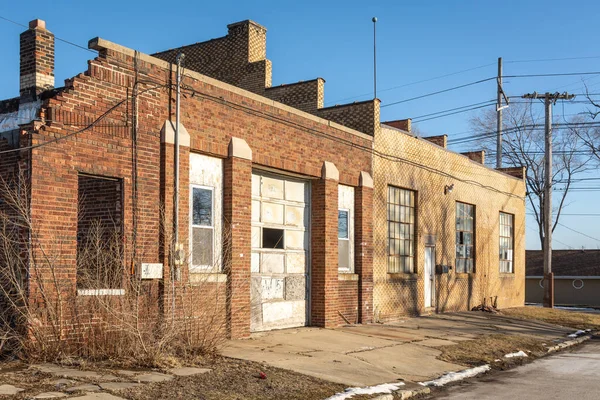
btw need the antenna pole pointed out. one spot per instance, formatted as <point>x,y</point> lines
<point>374,57</point>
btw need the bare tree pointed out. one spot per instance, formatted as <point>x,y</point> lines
<point>523,145</point>
<point>590,134</point>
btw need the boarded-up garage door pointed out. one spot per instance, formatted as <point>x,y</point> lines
<point>279,252</point>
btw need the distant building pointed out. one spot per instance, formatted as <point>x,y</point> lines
<point>576,277</point>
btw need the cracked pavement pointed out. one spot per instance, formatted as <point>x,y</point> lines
<point>363,355</point>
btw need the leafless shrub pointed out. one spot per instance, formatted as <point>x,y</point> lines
<point>108,312</point>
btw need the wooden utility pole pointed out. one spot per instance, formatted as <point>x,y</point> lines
<point>499,117</point>
<point>549,100</point>
<point>499,108</point>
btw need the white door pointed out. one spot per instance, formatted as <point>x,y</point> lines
<point>280,238</point>
<point>429,275</point>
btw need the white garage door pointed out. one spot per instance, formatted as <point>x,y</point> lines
<point>280,240</point>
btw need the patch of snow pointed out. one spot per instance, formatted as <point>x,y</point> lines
<point>456,376</point>
<point>377,389</point>
<point>578,333</point>
<point>575,308</point>
<point>519,353</point>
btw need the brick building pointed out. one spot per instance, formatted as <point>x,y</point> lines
<point>276,195</point>
<point>449,232</point>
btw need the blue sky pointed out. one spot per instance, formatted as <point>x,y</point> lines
<point>416,40</point>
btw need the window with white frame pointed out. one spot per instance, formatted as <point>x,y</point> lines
<point>401,230</point>
<point>203,231</point>
<point>506,242</point>
<point>206,193</point>
<point>465,237</point>
<point>345,229</point>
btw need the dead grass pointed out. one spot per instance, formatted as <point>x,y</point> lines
<point>238,379</point>
<point>488,349</point>
<point>575,320</point>
<point>229,379</point>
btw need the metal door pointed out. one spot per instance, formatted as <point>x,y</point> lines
<point>429,276</point>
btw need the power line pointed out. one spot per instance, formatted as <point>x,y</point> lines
<point>56,37</point>
<point>553,74</point>
<point>551,59</point>
<point>414,83</point>
<point>452,109</point>
<point>439,91</point>
<point>581,233</point>
<point>456,112</point>
<point>574,214</point>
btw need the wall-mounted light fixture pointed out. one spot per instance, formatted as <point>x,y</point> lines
<point>448,188</point>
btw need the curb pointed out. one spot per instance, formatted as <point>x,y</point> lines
<point>404,394</point>
<point>408,393</point>
<point>568,343</point>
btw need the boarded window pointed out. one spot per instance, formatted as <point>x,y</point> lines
<point>401,230</point>
<point>465,237</point>
<point>506,242</point>
<point>100,261</point>
<point>202,227</point>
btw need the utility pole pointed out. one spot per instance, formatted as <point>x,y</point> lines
<point>499,117</point>
<point>549,100</point>
<point>374,57</point>
<point>499,107</point>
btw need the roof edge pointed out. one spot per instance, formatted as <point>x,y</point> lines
<point>100,44</point>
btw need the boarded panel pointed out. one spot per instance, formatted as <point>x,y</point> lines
<point>255,211</point>
<point>295,263</point>
<point>294,216</point>
<point>272,288</point>
<point>294,239</point>
<point>272,213</point>
<point>256,232</point>
<point>272,263</point>
<point>255,263</point>
<point>295,287</point>
<point>271,188</point>
<point>295,191</point>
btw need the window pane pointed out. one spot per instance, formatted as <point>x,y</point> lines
<point>272,238</point>
<point>342,224</point>
<point>343,254</point>
<point>202,207</point>
<point>202,247</point>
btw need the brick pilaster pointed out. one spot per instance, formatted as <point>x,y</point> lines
<point>324,249</point>
<point>237,215</point>
<point>363,246</point>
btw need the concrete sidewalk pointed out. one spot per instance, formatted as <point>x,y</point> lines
<point>361,355</point>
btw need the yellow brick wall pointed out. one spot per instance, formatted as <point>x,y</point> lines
<point>396,295</point>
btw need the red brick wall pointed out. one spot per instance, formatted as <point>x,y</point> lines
<point>237,214</point>
<point>348,301</point>
<point>324,253</point>
<point>279,139</point>
<point>363,251</point>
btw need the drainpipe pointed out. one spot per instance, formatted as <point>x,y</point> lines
<point>176,272</point>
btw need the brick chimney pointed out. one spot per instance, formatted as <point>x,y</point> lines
<point>37,60</point>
